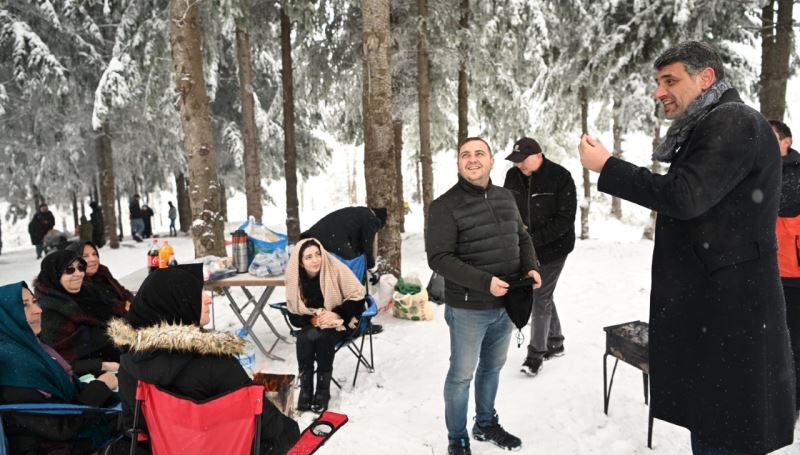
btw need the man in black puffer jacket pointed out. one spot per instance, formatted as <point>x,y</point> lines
<point>475,239</point>
<point>545,195</point>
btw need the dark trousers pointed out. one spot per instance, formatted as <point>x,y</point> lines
<point>545,324</point>
<point>792,295</point>
<point>314,344</point>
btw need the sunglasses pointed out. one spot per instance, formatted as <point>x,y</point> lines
<point>71,269</point>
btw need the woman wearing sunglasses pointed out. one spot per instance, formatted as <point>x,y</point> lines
<point>41,375</point>
<point>74,317</point>
<point>99,276</point>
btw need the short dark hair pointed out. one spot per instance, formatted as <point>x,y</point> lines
<point>781,128</point>
<point>695,56</point>
<point>474,138</point>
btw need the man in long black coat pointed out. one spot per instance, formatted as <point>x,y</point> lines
<point>719,348</point>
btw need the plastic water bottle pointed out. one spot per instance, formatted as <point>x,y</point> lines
<point>248,359</point>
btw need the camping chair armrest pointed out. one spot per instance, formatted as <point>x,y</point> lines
<point>281,306</point>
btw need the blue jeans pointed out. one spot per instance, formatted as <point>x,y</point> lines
<point>137,226</point>
<point>698,448</point>
<point>477,338</point>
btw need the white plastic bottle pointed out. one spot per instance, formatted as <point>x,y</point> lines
<point>248,359</point>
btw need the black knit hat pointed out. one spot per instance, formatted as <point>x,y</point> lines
<point>381,213</point>
<point>524,148</point>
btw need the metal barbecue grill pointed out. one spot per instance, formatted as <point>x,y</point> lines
<point>628,342</point>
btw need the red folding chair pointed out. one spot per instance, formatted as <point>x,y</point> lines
<point>229,424</point>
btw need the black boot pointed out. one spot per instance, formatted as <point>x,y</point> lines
<point>323,393</point>
<point>306,390</point>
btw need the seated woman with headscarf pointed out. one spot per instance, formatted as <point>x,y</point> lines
<point>74,317</point>
<point>326,299</point>
<point>98,276</point>
<point>33,372</point>
<point>164,344</point>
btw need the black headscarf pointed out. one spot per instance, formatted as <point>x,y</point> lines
<point>172,295</point>
<point>53,266</point>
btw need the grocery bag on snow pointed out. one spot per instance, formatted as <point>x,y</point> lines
<point>410,300</point>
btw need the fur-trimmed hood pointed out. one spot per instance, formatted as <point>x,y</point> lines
<point>174,338</point>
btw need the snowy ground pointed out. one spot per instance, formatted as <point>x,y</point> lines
<point>399,409</point>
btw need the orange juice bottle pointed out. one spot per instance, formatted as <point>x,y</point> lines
<point>164,254</point>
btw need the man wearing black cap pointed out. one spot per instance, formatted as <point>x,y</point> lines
<point>545,195</point>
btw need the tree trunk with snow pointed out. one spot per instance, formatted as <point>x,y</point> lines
<point>183,203</point>
<point>463,76</point>
<point>616,203</point>
<point>776,48</point>
<point>587,184</point>
<point>650,229</point>
<point>289,144</point>
<point>252,168</point>
<point>379,154</point>
<point>423,87</point>
<point>185,41</point>
<point>399,207</point>
<point>107,191</point>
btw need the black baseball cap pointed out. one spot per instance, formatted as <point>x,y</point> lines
<point>524,148</point>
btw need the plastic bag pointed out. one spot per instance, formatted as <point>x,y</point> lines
<point>269,264</point>
<point>261,239</point>
<point>215,268</point>
<point>410,300</point>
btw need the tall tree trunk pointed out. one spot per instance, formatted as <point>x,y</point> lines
<point>107,191</point>
<point>400,201</point>
<point>183,202</point>
<point>185,40</point>
<point>616,203</point>
<point>119,213</point>
<point>379,167</point>
<point>463,76</point>
<point>252,169</point>
<point>418,175</point>
<point>650,230</point>
<point>289,146</point>
<point>75,218</point>
<point>587,185</point>
<point>776,47</point>
<point>223,201</point>
<point>423,89</point>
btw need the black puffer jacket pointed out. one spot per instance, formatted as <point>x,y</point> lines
<point>547,205</point>
<point>474,234</point>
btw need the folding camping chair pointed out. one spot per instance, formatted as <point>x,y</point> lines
<point>354,341</point>
<point>63,409</point>
<point>224,424</point>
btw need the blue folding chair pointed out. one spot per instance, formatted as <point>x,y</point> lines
<point>55,409</point>
<point>356,339</point>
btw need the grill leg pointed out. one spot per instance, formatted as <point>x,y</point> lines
<point>607,383</point>
<point>645,382</point>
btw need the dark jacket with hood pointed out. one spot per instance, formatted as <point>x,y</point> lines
<point>720,360</point>
<point>39,377</point>
<point>788,223</point>
<point>349,232</point>
<point>164,345</point>
<point>547,203</point>
<point>110,290</point>
<point>73,324</point>
<point>473,234</point>
<point>40,225</point>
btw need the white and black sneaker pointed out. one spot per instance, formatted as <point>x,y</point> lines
<point>554,352</point>
<point>532,366</point>
<point>497,436</point>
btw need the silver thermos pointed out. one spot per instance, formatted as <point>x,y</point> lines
<point>239,247</point>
